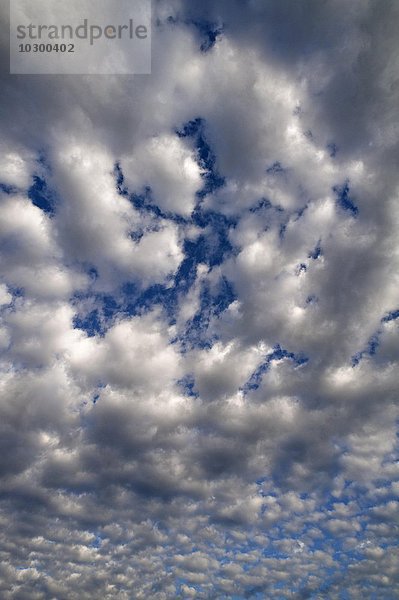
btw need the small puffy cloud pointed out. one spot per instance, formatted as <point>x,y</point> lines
<point>169,168</point>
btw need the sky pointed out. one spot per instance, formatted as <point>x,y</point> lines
<point>199,312</point>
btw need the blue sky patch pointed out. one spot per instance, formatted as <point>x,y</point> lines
<point>344,198</point>
<point>41,196</point>
<point>196,129</point>
<point>278,353</point>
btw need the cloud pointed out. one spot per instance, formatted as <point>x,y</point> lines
<point>198,306</point>
<point>169,169</point>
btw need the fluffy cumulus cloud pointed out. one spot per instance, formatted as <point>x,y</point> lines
<point>199,311</point>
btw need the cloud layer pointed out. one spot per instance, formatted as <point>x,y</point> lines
<point>199,312</point>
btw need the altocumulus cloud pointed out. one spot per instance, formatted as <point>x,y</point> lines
<point>199,312</point>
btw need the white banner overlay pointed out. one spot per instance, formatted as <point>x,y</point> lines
<point>80,37</point>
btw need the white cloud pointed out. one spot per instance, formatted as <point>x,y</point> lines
<point>169,168</point>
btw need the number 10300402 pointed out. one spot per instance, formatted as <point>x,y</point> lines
<point>46,48</point>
